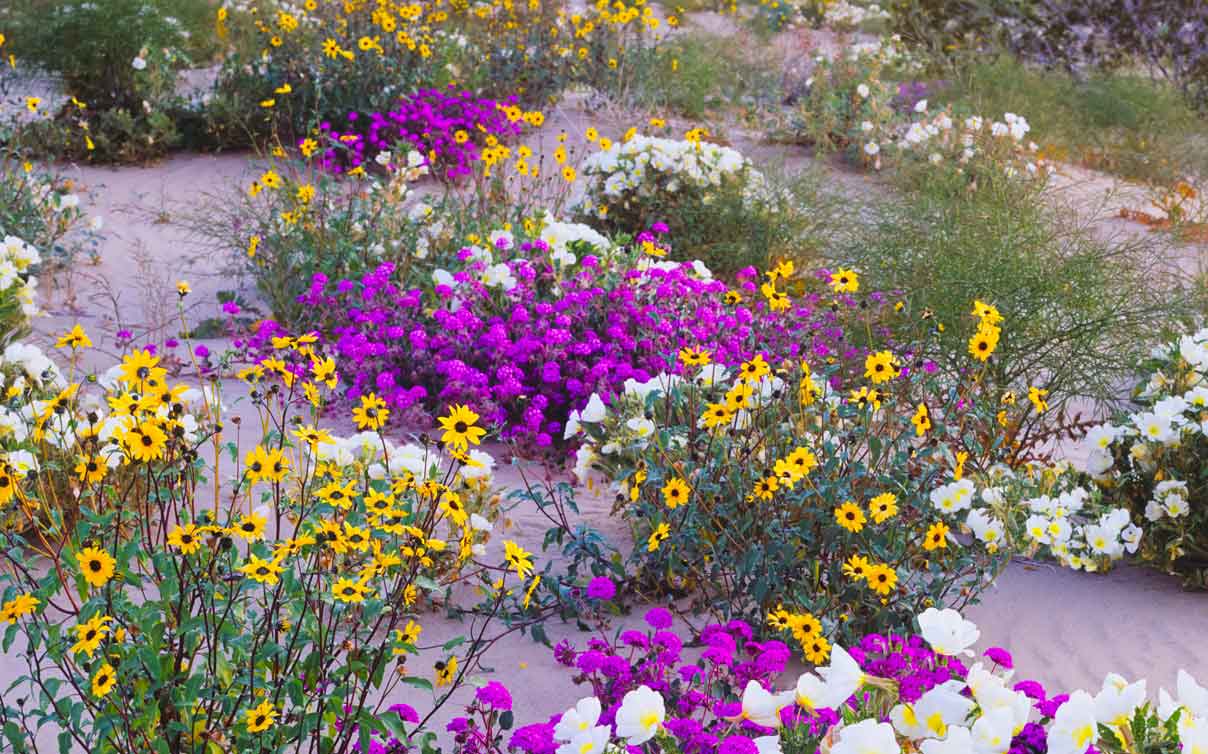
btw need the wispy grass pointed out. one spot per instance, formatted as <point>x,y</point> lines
<point>1080,310</point>
<point>697,74</point>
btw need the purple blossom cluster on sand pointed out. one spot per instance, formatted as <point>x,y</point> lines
<point>448,126</point>
<point>701,681</point>
<point>524,358</point>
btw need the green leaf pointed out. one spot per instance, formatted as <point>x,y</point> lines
<point>394,725</point>
<point>13,734</point>
<point>421,683</point>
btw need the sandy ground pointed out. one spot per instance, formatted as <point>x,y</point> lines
<point>1065,629</point>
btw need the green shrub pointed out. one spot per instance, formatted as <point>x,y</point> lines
<point>695,74</point>
<point>800,496</point>
<point>1077,308</point>
<point>296,223</point>
<point>118,61</point>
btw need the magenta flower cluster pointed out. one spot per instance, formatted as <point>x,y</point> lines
<point>702,682</point>
<point>526,357</point>
<point>700,691</point>
<point>702,695</point>
<point>448,126</point>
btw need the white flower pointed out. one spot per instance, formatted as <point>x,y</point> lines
<point>1193,734</point>
<point>920,106</point>
<point>578,719</point>
<point>984,526</point>
<point>958,741</point>
<point>1193,698</point>
<point>594,411</point>
<point>1171,408</point>
<point>930,716</point>
<point>1118,700</point>
<point>499,276</point>
<point>1074,727</point>
<point>481,465</point>
<point>641,426</point>
<point>1154,428</point>
<point>1102,540</point>
<point>1131,537</point>
<point>993,731</point>
<point>1098,462</point>
<point>761,706</point>
<point>768,745</point>
<point>872,149</point>
<point>843,677</point>
<point>954,496</point>
<point>22,462</point>
<point>1101,437</point>
<point>713,374</point>
<point>139,63</point>
<point>867,737</point>
<point>640,716</point>
<point>947,632</point>
<point>572,425</point>
<point>1194,350</point>
<point>585,457</point>
<point>1154,511</point>
<point>591,741</point>
<point>863,91</point>
<point>408,458</point>
<point>660,383</point>
<point>1176,506</point>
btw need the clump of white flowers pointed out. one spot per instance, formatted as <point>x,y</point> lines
<point>1151,458</point>
<point>17,261</point>
<point>963,144</point>
<point>1040,510</point>
<point>843,15</point>
<point>647,166</point>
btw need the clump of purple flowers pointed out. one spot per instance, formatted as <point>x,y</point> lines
<point>702,680</point>
<point>917,669</point>
<point>700,687</point>
<point>448,126</point>
<point>526,357</point>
